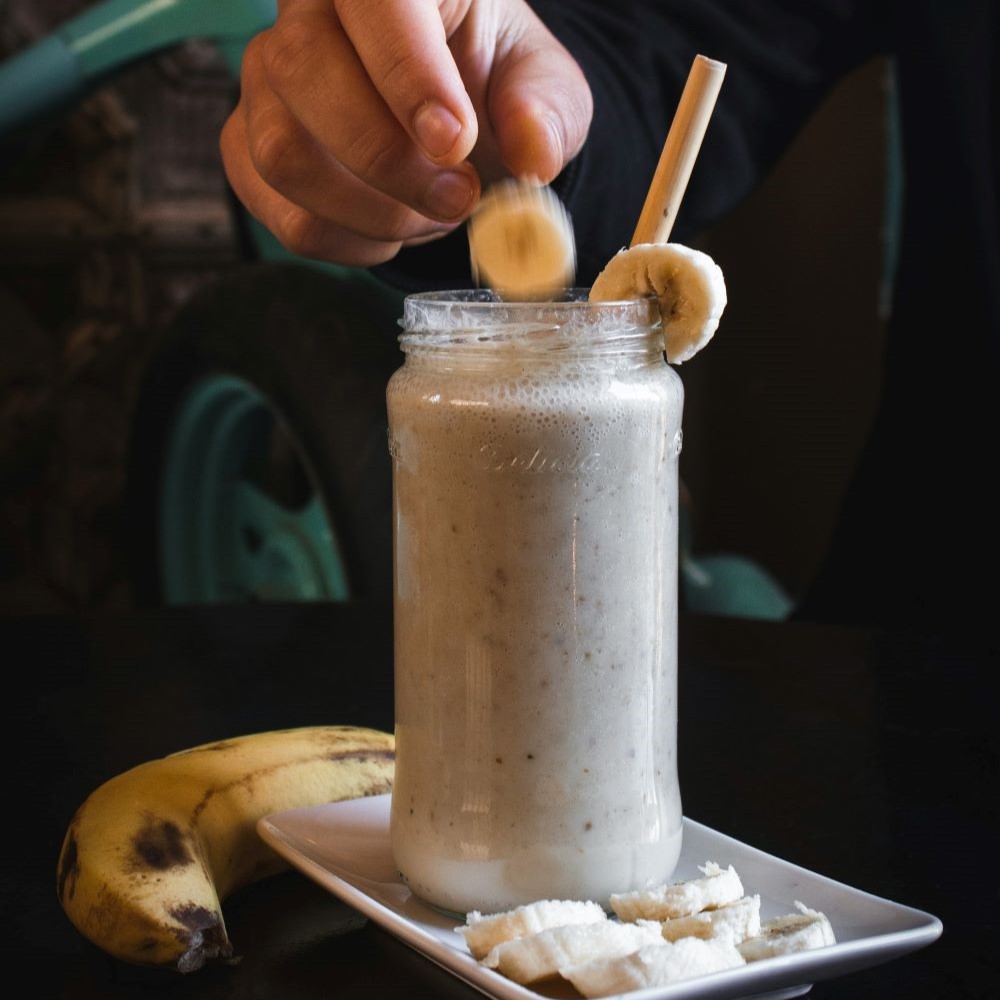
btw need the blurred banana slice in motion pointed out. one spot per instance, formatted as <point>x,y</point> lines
<point>521,242</point>
<point>687,283</point>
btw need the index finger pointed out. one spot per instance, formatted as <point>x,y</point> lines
<point>404,49</point>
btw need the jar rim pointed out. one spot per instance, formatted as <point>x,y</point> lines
<point>464,317</point>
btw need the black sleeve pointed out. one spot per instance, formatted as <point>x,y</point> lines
<point>783,56</point>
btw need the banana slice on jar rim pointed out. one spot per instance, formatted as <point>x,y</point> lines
<point>688,286</point>
<point>521,242</point>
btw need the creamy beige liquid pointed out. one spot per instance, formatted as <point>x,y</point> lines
<point>535,617</point>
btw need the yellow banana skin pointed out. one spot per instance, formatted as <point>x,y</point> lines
<point>151,854</point>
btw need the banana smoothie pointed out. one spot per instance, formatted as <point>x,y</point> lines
<point>535,453</point>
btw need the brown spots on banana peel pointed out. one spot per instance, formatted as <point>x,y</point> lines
<point>383,784</point>
<point>159,845</point>
<point>194,917</point>
<point>379,788</point>
<point>144,896</point>
<point>110,918</point>
<point>247,780</point>
<point>364,756</point>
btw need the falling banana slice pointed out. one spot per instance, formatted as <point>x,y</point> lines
<point>521,242</point>
<point>687,283</point>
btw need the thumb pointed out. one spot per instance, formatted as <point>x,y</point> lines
<point>540,104</point>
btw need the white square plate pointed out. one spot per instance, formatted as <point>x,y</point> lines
<point>344,847</point>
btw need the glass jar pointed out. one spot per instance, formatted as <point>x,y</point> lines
<point>535,481</point>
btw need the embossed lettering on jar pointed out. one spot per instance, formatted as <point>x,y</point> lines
<point>535,456</point>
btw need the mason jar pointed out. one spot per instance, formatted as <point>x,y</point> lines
<point>535,480</point>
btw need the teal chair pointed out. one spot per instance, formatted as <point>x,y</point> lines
<point>110,35</point>
<point>725,583</point>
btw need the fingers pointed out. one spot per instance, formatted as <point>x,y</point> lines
<point>311,65</point>
<point>404,49</point>
<point>540,102</point>
<point>356,127</point>
<point>291,162</point>
<point>300,231</point>
<point>300,190</point>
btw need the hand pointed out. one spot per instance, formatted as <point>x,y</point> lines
<point>368,125</point>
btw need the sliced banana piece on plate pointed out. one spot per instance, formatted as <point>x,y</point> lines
<point>521,241</point>
<point>734,922</point>
<point>687,283</point>
<point>484,932</point>
<point>800,931</point>
<point>655,965</point>
<point>681,899</point>
<point>539,956</point>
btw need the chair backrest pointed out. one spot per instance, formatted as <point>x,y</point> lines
<point>108,36</point>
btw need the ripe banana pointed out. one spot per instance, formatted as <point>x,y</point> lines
<point>151,853</point>
<point>521,241</point>
<point>687,283</point>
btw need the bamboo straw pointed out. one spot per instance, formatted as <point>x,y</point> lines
<point>679,151</point>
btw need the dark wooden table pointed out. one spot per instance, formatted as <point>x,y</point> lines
<point>869,757</point>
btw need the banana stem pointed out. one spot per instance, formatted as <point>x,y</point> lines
<point>679,151</point>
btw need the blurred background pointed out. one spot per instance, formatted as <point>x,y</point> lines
<point>115,216</point>
<point>111,214</point>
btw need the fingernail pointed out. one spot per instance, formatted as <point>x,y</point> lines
<point>449,194</point>
<point>437,128</point>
